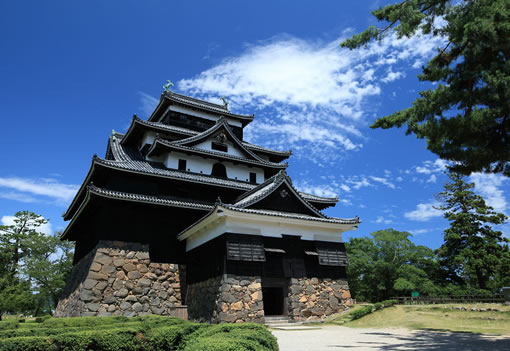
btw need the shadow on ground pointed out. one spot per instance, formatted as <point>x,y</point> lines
<point>433,340</point>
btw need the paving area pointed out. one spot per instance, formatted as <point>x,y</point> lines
<point>329,338</point>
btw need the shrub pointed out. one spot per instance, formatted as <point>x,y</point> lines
<point>361,312</point>
<point>235,337</point>
<point>378,305</point>
<point>389,303</point>
<point>9,324</point>
<point>133,334</point>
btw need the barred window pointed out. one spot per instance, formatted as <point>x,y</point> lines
<point>331,256</point>
<point>245,249</point>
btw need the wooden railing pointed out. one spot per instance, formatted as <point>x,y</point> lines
<point>406,300</point>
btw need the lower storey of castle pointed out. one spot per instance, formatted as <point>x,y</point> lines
<point>119,278</point>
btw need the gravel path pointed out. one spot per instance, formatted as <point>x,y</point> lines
<point>338,338</point>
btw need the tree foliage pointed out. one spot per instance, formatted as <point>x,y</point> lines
<point>33,266</point>
<point>473,253</point>
<point>389,264</point>
<point>466,117</point>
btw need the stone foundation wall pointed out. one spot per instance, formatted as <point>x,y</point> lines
<point>117,278</point>
<point>228,298</point>
<point>313,298</point>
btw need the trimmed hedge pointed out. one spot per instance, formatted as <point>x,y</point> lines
<point>9,324</point>
<point>361,312</point>
<point>134,334</point>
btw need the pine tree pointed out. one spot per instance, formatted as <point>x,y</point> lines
<point>473,252</point>
<point>466,117</point>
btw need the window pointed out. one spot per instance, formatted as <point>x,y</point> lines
<point>253,177</point>
<point>219,170</point>
<point>182,165</point>
<point>219,147</point>
<point>331,256</point>
<point>245,249</point>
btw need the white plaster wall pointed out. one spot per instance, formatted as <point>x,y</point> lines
<point>309,231</point>
<point>148,138</point>
<point>232,150</point>
<point>202,165</point>
<point>205,115</point>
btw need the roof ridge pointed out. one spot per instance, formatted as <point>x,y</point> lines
<point>275,181</point>
<point>204,104</point>
<point>177,145</point>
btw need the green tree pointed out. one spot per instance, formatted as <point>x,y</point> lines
<point>473,253</point>
<point>466,117</point>
<point>34,266</point>
<point>388,263</point>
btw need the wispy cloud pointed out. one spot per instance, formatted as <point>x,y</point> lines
<point>311,94</point>
<point>488,185</point>
<point>319,190</point>
<point>45,228</point>
<point>26,189</point>
<point>424,212</point>
<point>381,219</point>
<point>384,181</point>
<point>429,167</point>
<point>148,103</point>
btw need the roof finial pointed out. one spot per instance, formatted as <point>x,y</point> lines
<point>168,86</point>
<point>225,102</point>
<point>218,201</point>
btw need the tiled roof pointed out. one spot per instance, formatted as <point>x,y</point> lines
<point>173,145</point>
<point>133,160</point>
<point>187,100</point>
<point>189,132</point>
<point>269,186</point>
<point>294,215</point>
<point>175,202</point>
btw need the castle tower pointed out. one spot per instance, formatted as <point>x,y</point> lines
<point>183,217</point>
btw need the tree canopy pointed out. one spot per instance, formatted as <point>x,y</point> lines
<point>466,117</point>
<point>33,266</point>
<point>473,253</point>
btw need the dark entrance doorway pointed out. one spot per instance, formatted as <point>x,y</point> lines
<point>274,297</point>
<point>273,301</point>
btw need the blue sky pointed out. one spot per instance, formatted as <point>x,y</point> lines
<point>73,71</point>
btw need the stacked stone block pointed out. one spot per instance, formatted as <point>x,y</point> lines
<point>228,298</point>
<point>313,298</point>
<point>117,278</point>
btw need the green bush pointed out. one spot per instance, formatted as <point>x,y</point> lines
<point>361,312</point>
<point>389,303</point>
<point>378,305</point>
<point>134,334</point>
<point>9,324</point>
<point>238,337</point>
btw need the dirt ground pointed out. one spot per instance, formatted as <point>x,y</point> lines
<point>338,338</point>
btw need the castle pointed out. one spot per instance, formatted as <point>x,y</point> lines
<point>184,217</point>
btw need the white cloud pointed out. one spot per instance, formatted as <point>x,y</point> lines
<point>381,219</point>
<point>383,181</point>
<point>45,228</point>
<point>432,179</point>
<point>148,102</point>
<point>319,190</point>
<point>488,185</point>
<point>357,184</point>
<point>309,92</point>
<point>391,76</point>
<point>345,188</point>
<point>62,193</point>
<point>429,167</point>
<point>419,231</point>
<point>424,212</point>
<point>11,195</point>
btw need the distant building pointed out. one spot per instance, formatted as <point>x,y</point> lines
<point>182,212</point>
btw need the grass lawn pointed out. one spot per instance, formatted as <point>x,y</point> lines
<point>440,317</point>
